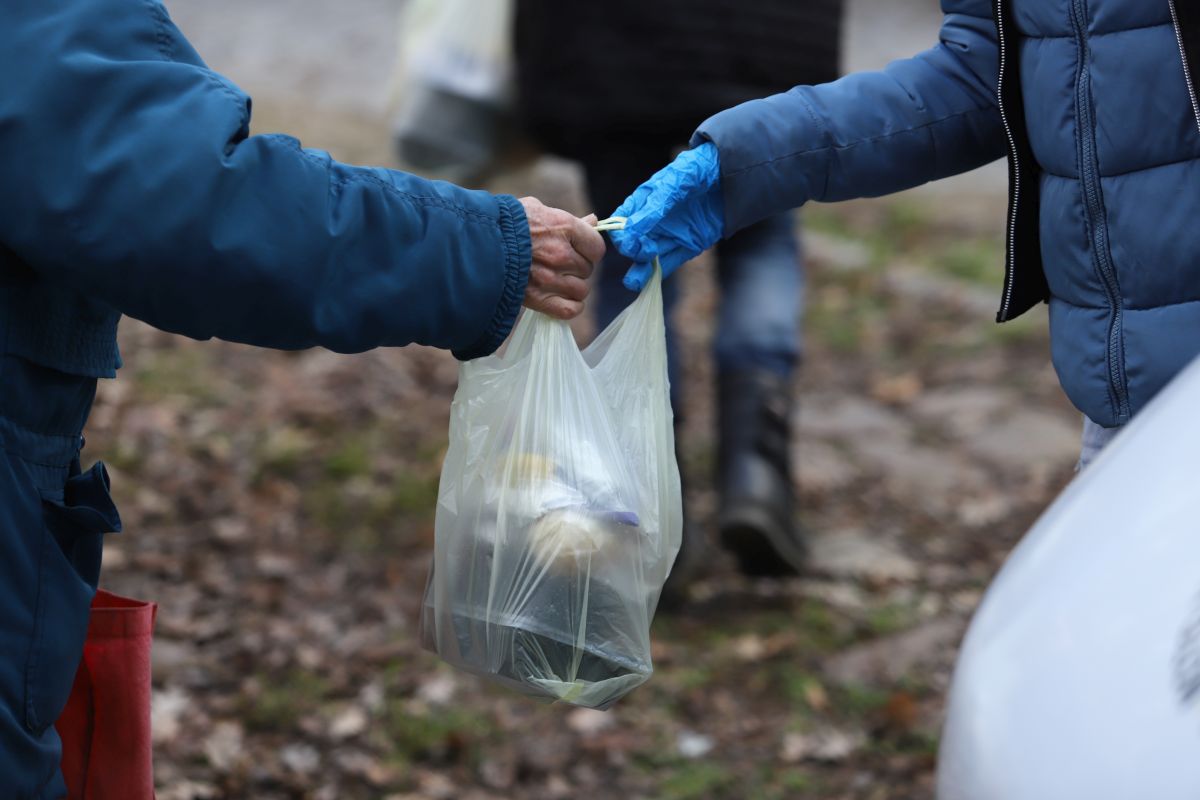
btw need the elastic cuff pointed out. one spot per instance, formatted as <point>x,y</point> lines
<point>518,257</point>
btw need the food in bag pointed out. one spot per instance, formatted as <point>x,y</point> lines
<point>559,510</point>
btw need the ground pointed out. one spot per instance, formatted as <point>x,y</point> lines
<point>279,508</point>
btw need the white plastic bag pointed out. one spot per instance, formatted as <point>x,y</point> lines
<point>1080,674</point>
<point>559,510</point>
<point>453,87</point>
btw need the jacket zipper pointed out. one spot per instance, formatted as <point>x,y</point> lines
<point>1094,204</point>
<point>1014,189</point>
<point>1187,72</point>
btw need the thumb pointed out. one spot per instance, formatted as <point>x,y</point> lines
<point>638,276</point>
<point>591,220</point>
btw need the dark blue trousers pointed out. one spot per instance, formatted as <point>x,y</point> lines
<point>52,521</point>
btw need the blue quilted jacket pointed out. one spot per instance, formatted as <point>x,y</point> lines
<point>130,184</point>
<point>1094,103</point>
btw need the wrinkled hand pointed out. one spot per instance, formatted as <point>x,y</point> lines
<point>675,216</point>
<point>565,250</point>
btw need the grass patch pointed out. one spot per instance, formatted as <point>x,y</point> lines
<point>443,734</point>
<point>351,460</point>
<point>889,619</point>
<point>284,700</point>
<point>977,261</point>
<point>696,781</point>
<point>281,452</point>
<point>860,702</point>
<point>181,371</point>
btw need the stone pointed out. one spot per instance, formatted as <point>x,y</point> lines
<point>167,709</point>
<point>693,745</point>
<point>825,744</point>
<point>846,417</point>
<point>223,747</point>
<point>301,758</point>
<point>835,252</point>
<point>350,722</point>
<point>859,555</point>
<point>885,661</point>
<point>1028,440</point>
<point>821,467</point>
<point>588,721</point>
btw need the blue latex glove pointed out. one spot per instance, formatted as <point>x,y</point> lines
<point>675,216</point>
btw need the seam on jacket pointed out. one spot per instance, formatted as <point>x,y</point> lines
<point>160,28</point>
<point>825,132</point>
<point>1049,36</point>
<point>1159,306</point>
<point>1139,309</point>
<point>1123,173</point>
<point>238,99</point>
<point>163,39</point>
<point>859,142</point>
<point>1163,165</point>
<point>340,181</point>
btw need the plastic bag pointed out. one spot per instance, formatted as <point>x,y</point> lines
<point>1080,674</point>
<point>559,510</point>
<point>454,87</point>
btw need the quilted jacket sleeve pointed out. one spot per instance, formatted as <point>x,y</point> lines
<point>867,134</point>
<point>128,171</point>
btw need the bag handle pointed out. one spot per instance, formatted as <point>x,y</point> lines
<point>611,224</point>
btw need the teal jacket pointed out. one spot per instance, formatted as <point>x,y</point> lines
<point>130,184</point>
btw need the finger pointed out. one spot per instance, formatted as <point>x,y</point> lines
<point>637,277</point>
<point>587,241</point>
<point>547,281</point>
<point>559,307</point>
<point>630,245</point>
<point>569,263</point>
<point>590,220</point>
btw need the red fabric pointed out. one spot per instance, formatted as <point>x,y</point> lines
<point>105,727</point>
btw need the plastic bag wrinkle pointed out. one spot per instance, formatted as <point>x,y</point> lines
<point>559,510</point>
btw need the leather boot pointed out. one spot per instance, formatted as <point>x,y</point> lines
<point>756,518</point>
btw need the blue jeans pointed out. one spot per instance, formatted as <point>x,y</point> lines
<point>1095,439</point>
<point>759,269</point>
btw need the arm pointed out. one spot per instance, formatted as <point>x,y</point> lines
<point>868,134</point>
<point>140,184</point>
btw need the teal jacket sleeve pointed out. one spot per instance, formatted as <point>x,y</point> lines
<point>127,170</point>
<point>867,134</point>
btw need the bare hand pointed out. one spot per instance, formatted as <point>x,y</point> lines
<point>565,250</point>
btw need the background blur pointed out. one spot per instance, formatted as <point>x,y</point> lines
<point>279,507</point>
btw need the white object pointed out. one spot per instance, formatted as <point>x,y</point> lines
<point>1079,678</point>
<point>559,509</point>
<point>454,86</point>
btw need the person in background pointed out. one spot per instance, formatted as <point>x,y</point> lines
<point>1095,104</point>
<point>620,86</point>
<point>130,184</point>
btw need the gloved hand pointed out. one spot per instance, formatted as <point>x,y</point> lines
<point>675,216</point>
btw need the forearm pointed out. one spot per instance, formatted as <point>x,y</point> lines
<point>868,134</point>
<point>143,188</point>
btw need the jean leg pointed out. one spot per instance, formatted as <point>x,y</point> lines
<point>1095,438</point>
<point>762,297</point>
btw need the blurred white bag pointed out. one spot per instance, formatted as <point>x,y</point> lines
<point>453,86</point>
<point>1080,675</point>
<point>559,510</point>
